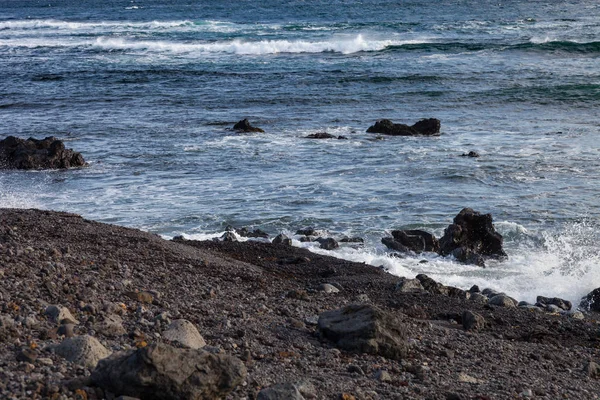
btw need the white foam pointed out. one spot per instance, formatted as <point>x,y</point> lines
<point>342,44</point>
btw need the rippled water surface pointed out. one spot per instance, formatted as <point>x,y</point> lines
<point>148,91</point>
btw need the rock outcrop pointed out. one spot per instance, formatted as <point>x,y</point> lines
<point>471,238</point>
<point>164,372</point>
<point>244,126</point>
<point>365,329</point>
<point>48,153</point>
<point>591,301</point>
<point>412,240</point>
<point>425,127</point>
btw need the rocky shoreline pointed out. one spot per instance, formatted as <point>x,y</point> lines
<point>92,311</point>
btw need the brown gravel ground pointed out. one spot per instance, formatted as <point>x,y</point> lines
<point>238,295</point>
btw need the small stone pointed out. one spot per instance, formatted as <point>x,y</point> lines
<point>142,297</point>
<point>409,286</point>
<point>575,314</point>
<point>60,314</point>
<point>327,288</point>
<point>462,377</point>
<point>83,350</point>
<point>282,239</point>
<point>383,376</point>
<point>111,326</point>
<point>280,391</point>
<point>184,333</point>
<point>355,369</point>
<point>27,355</point>
<point>592,369</point>
<point>363,298</point>
<point>472,321</point>
<point>66,330</point>
<point>45,361</point>
<point>527,393</point>
<point>502,300</point>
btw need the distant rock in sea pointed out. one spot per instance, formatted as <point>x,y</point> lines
<point>244,126</point>
<point>48,153</point>
<point>425,127</point>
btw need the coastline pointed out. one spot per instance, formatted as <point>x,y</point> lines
<point>260,303</point>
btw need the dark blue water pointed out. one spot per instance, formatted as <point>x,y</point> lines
<point>148,91</point>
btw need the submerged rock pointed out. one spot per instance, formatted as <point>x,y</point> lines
<point>48,153</point>
<point>164,372</point>
<point>365,328</point>
<point>425,127</point>
<point>244,125</point>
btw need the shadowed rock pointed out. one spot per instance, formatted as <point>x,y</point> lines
<point>324,135</point>
<point>164,372</point>
<point>425,127</point>
<point>244,125</point>
<point>472,237</point>
<point>412,240</point>
<point>591,301</point>
<point>49,153</point>
<point>365,329</point>
<point>83,350</point>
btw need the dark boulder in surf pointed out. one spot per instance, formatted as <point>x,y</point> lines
<point>324,135</point>
<point>244,126</point>
<point>425,127</point>
<point>48,153</point>
<point>591,301</point>
<point>471,238</point>
<point>412,240</point>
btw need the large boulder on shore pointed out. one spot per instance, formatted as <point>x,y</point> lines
<point>412,240</point>
<point>591,301</point>
<point>471,238</point>
<point>244,126</point>
<point>164,372</point>
<point>48,153</point>
<point>365,329</point>
<point>425,127</point>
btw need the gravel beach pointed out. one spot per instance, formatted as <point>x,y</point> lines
<point>73,292</point>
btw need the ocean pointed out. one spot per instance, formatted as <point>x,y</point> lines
<point>149,90</point>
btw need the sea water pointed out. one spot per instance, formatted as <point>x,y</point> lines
<point>149,90</point>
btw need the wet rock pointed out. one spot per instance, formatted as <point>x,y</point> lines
<point>324,135</point>
<point>366,329</point>
<point>60,314</point>
<point>228,237</point>
<point>472,154</point>
<point>472,237</point>
<point>282,239</point>
<point>354,239</point>
<point>472,321</point>
<point>184,333</point>
<point>164,372</point>
<point>591,301</point>
<point>502,300</point>
<point>111,326</point>
<point>244,125</point>
<point>328,243</point>
<point>257,233</point>
<point>83,350</point>
<point>412,240</point>
<point>409,286</point>
<point>474,289</point>
<point>308,232</point>
<point>425,127</point>
<point>431,286</point>
<point>48,153</point>
<point>542,301</point>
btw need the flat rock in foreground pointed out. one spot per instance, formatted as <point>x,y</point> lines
<point>49,153</point>
<point>164,372</point>
<point>365,329</point>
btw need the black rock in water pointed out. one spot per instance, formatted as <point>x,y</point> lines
<point>425,127</point>
<point>591,301</point>
<point>472,154</point>
<point>244,125</point>
<point>48,153</point>
<point>471,238</point>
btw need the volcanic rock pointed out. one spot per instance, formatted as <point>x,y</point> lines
<point>591,301</point>
<point>184,333</point>
<point>366,329</point>
<point>471,236</point>
<point>83,350</point>
<point>426,127</point>
<point>413,240</point>
<point>409,286</point>
<point>324,135</point>
<point>542,301</point>
<point>282,239</point>
<point>244,125</point>
<point>328,243</point>
<point>160,371</point>
<point>472,321</point>
<point>60,314</point>
<point>48,153</point>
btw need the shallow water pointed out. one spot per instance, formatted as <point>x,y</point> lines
<point>148,93</point>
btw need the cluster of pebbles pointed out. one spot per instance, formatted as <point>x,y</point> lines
<point>94,311</point>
